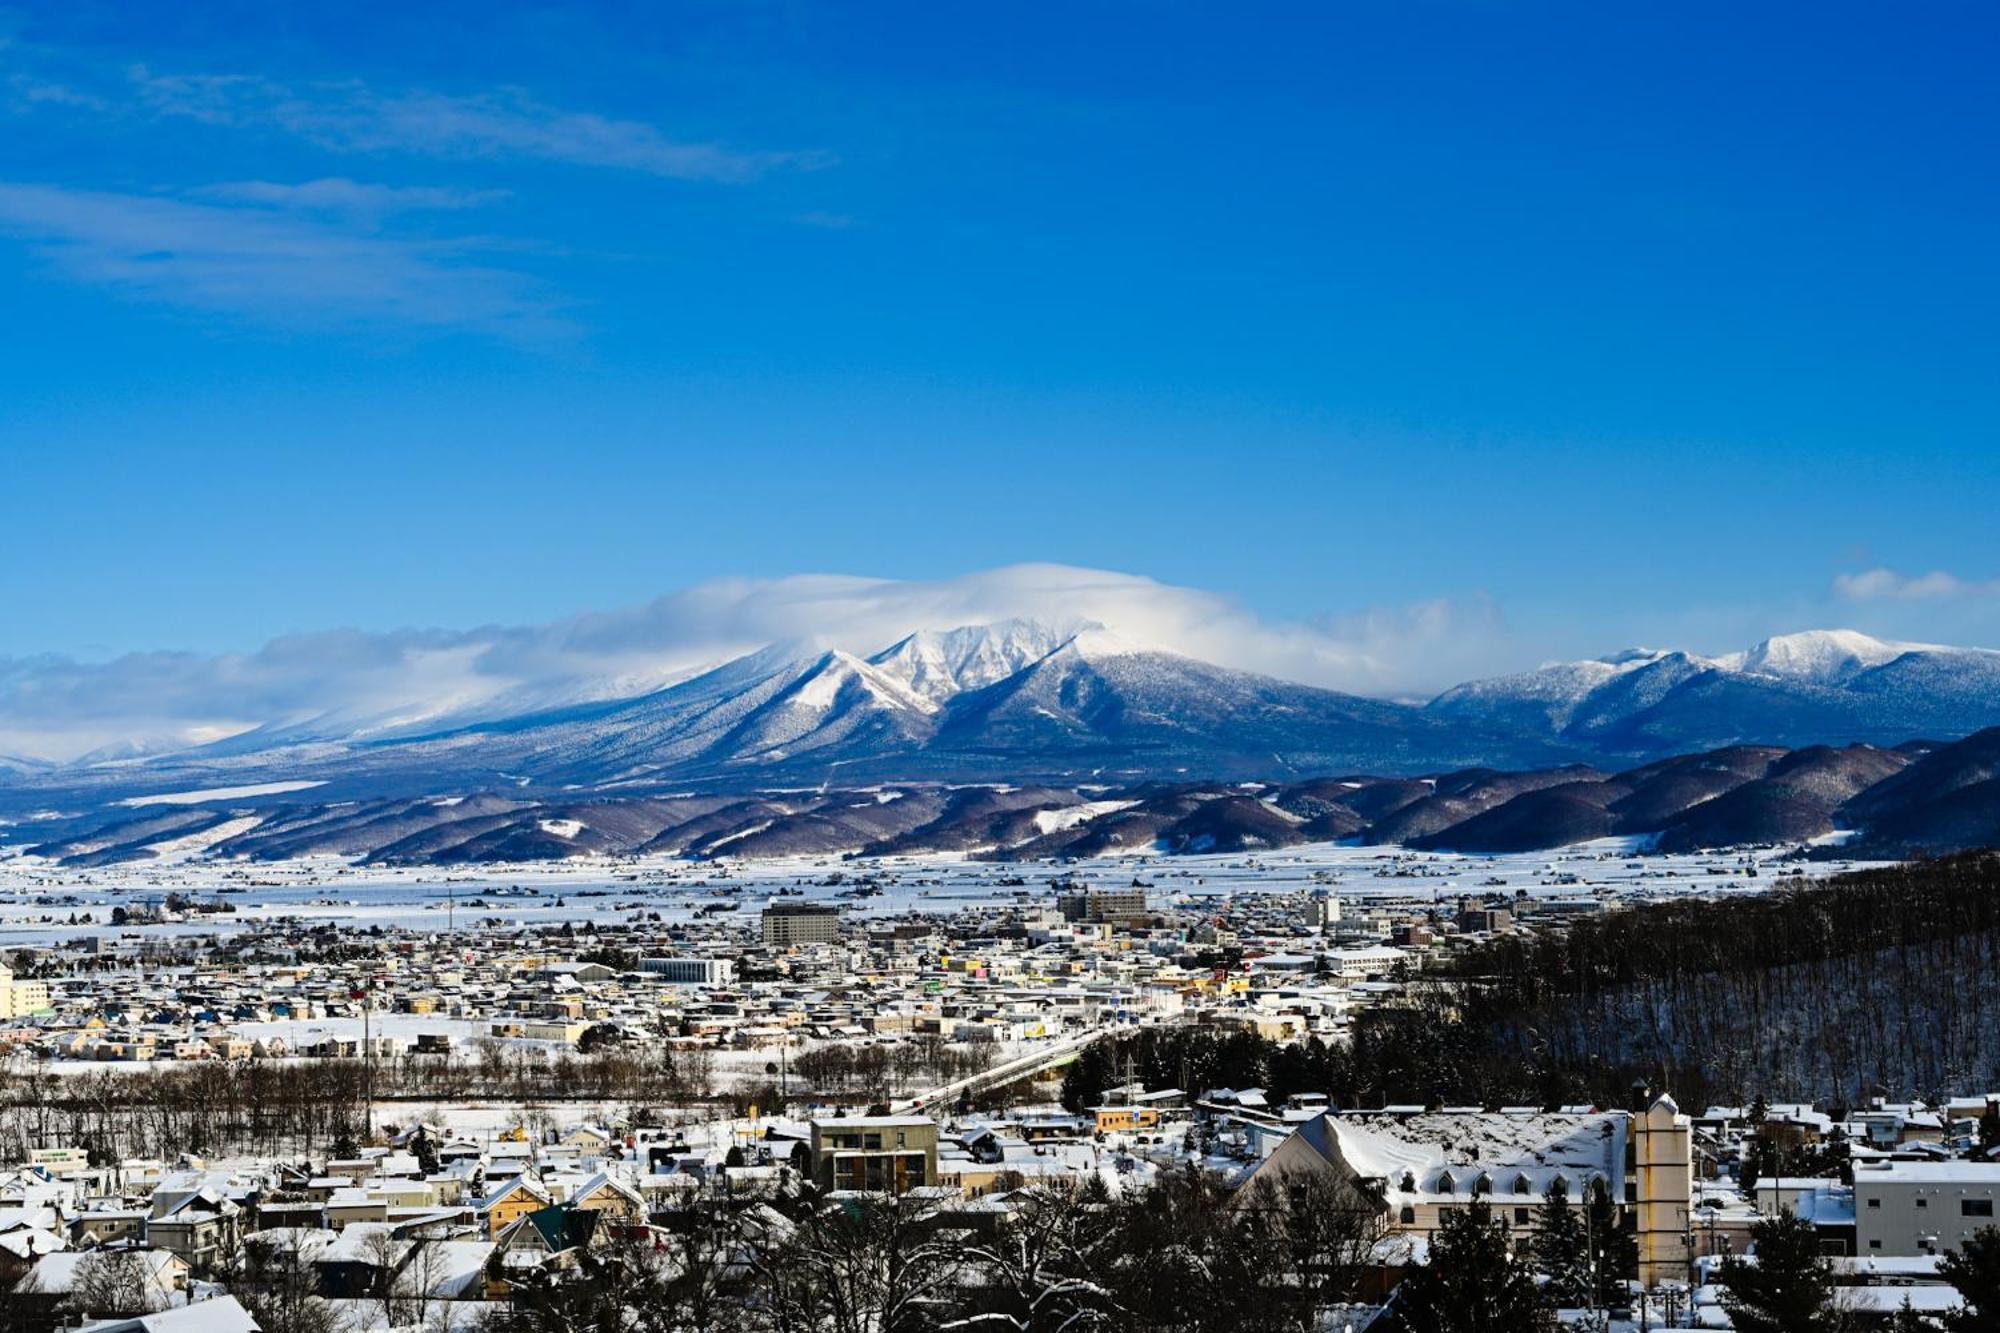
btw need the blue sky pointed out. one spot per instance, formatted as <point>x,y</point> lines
<point>1577,325</point>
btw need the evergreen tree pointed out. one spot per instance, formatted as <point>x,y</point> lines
<point>1750,1169</point>
<point>1907,1320</point>
<point>1760,1110</point>
<point>1474,1282</point>
<point>1789,1289</point>
<point>1562,1248</point>
<point>1989,1127</point>
<point>1974,1268</point>
<point>1616,1248</point>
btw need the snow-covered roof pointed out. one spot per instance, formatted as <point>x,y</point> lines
<point>1437,1156</point>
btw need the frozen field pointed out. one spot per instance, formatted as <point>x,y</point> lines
<point>38,900</point>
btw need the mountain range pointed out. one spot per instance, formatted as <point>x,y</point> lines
<point>1914,799</point>
<point>1818,687</point>
<point>1021,702</point>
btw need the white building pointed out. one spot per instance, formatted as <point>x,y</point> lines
<point>1923,1207</point>
<point>690,971</point>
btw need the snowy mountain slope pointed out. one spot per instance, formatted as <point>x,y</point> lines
<point>1099,701</point>
<point>841,701</point>
<point>1815,687</point>
<point>1820,657</point>
<point>1013,701</point>
<point>938,664</point>
<point>1896,801</point>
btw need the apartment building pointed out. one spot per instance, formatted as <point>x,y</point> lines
<point>789,923</point>
<point>19,998</point>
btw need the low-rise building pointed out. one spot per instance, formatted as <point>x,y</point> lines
<point>1922,1207</point>
<point>883,1153</point>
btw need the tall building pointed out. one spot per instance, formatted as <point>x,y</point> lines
<point>790,923</point>
<point>1663,1173</point>
<point>1324,913</point>
<point>1117,907</point>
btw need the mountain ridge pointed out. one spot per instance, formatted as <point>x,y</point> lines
<point>1022,700</point>
<point>1851,801</point>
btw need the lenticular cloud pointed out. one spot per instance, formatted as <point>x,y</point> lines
<point>61,709</point>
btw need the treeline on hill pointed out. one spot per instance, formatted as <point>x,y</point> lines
<point>1882,980</point>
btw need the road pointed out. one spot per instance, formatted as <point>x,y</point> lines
<point>1057,1053</point>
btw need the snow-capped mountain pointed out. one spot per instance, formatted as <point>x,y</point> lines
<point>1815,687</point>
<point>938,664</point>
<point>12,765</point>
<point>1006,701</point>
<point>1821,657</point>
<point>1020,701</point>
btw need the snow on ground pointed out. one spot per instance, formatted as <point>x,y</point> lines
<point>219,793</point>
<point>37,898</point>
<point>193,844</point>
<point>1055,821</point>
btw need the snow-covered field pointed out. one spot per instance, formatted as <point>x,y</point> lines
<point>39,900</point>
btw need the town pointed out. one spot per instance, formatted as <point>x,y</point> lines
<point>284,1098</point>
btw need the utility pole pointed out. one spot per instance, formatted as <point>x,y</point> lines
<point>367,1069</point>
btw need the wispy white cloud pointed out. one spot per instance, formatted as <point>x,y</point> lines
<point>341,196</point>
<point>59,708</point>
<point>272,265</point>
<point>507,123</point>
<point>1882,584</point>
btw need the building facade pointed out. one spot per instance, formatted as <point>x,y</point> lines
<point>691,971</point>
<point>790,923</point>
<point>1912,1208</point>
<point>881,1153</point>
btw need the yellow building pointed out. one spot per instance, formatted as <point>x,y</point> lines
<point>1663,1170</point>
<point>18,999</point>
<point>604,1195</point>
<point>1125,1119</point>
<point>509,1204</point>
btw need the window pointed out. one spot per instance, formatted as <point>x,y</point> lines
<point>1877,1203</point>
<point>1520,1217</point>
<point>1521,1185</point>
<point>1923,1203</point>
<point>1409,1217</point>
<point>1975,1207</point>
<point>1446,1185</point>
<point>1874,1244</point>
